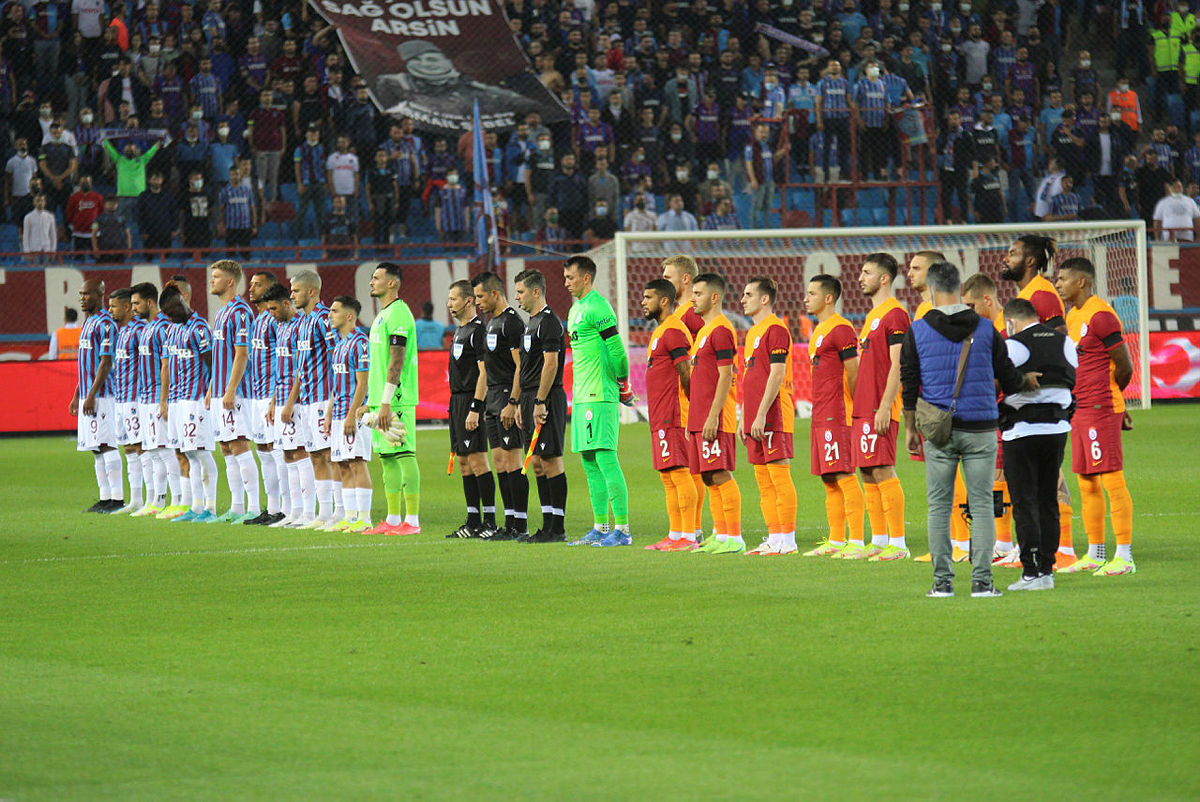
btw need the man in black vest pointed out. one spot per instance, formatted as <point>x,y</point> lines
<point>1035,425</point>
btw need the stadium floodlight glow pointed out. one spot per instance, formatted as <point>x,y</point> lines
<point>791,256</point>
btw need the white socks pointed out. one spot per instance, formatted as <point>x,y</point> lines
<point>363,506</point>
<point>249,469</point>
<point>208,464</point>
<point>237,490</point>
<point>270,478</point>
<point>295,494</point>
<point>112,467</point>
<point>324,489</point>
<point>101,476</point>
<point>133,464</point>
<point>285,480</point>
<point>339,502</point>
<point>308,488</point>
<point>196,481</point>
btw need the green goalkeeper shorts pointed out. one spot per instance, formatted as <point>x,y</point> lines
<point>380,444</point>
<point>594,426</point>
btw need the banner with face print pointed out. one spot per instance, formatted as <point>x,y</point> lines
<point>433,59</point>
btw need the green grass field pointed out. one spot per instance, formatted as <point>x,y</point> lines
<point>143,660</point>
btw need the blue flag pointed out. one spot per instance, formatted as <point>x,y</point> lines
<point>485,215</point>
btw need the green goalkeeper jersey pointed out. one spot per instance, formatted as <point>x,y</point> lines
<point>598,362</point>
<point>393,321</point>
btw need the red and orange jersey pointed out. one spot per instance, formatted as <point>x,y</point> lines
<point>1096,331</point>
<point>687,314</point>
<point>833,342</point>
<point>923,309</point>
<point>1049,307</point>
<point>768,343</point>
<point>715,347</point>
<point>670,344</point>
<point>884,326</point>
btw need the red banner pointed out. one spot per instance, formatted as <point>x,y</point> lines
<point>432,59</point>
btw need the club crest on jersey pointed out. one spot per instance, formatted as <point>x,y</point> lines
<point>528,341</point>
<point>820,339</point>
<point>703,340</point>
<point>662,433</point>
<point>829,435</point>
<point>757,340</point>
<point>874,324</point>
<point>866,428</point>
<point>492,339</point>
<point>587,415</point>
<point>457,350</point>
<point>1092,433</point>
<point>1083,330</point>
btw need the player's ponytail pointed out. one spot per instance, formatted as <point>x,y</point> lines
<point>1042,249</point>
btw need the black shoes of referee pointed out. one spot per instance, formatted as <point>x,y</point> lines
<point>265,518</point>
<point>542,536</point>
<point>106,506</point>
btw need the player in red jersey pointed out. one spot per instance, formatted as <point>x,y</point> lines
<point>833,355</point>
<point>668,382</point>
<point>918,266</point>
<point>681,271</point>
<point>712,416</point>
<point>1105,370</point>
<point>1027,259</point>
<point>876,412</point>
<point>768,414</point>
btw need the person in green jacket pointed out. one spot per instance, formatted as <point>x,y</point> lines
<point>131,171</point>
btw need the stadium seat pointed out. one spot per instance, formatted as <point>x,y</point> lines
<point>797,218</point>
<point>279,212</point>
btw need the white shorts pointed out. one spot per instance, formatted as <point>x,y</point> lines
<point>314,416</point>
<point>356,446</point>
<point>190,426</point>
<point>97,430</point>
<point>262,430</point>
<point>154,429</point>
<point>290,436</point>
<point>230,424</point>
<point>129,424</point>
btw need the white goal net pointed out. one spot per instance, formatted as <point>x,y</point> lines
<point>793,256</point>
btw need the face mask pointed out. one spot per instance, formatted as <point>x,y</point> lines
<point>935,6</point>
<point>601,210</point>
<point>945,48</point>
<point>46,113</point>
<point>22,153</point>
<point>964,8</point>
<point>681,175</point>
<point>1085,63</point>
<point>818,38</point>
<point>770,85</point>
<point>1123,87</point>
<point>451,180</point>
<point>637,157</point>
<point>903,8</point>
<point>223,131</point>
<point>553,218</point>
<point>872,72</point>
<point>197,115</point>
<point>87,118</point>
<point>987,87</point>
<point>197,184</point>
<point>712,175</point>
<point>676,137</point>
<point>1115,116</point>
<point>155,48</point>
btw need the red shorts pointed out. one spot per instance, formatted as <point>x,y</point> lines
<point>1096,442</point>
<point>669,447</point>
<point>718,455</point>
<point>773,447</point>
<point>999,450</point>
<point>831,449</point>
<point>873,450</point>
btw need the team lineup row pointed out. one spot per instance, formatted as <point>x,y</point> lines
<point>296,378</point>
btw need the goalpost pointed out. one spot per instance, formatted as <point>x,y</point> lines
<point>792,256</point>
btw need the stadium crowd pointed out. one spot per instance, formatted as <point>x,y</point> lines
<point>176,124</point>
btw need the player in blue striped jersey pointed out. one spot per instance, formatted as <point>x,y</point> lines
<point>261,376</point>
<point>124,381</point>
<point>160,468</point>
<point>310,391</point>
<point>351,439</point>
<point>290,437</point>
<point>93,396</point>
<point>227,395</point>
<point>188,362</point>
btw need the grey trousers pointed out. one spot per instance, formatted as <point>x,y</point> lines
<point>977,453</point>
<point>267,163</point>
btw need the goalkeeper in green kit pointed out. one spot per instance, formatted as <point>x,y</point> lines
<point>601,380</point>
<point>392,393</point>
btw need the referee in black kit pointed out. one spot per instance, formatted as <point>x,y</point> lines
<point>468,440</point>
<point>543,403</point>
<point>502,361</point>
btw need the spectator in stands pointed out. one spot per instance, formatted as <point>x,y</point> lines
<point>18,172</point>
<point>222,152</point>
<point>340,228</point>
<point>681,183</point>
<point>196,205</point>
<point>1051,185</point>
<point>1152,182</point>
<point>1176,216</point>
<point>451,214</point>
<point>237,215</point>
<point>58,164</point>
<point>957,160</point>
<point>760,160</point>
<point>1066,204</point>
<point>603,187</point>
<point>342,173</point>
<point>833,107</point>
<point>382,195</point>
<point>268,133</point>
<point>82,209</point>
<point>1104,153</point>
<point>637,218</point>
<point>676,218</point>
<point>431,335</point>
<point>568,193</point>
<point>111,239</point>
<point>156,215</point>
<point>551,232</point>
<point>987,197</point>
<point>131,171</point>
<point>64,341</point>
<point>722,217</point>
<point>601,226</point>
<point>39,233</point>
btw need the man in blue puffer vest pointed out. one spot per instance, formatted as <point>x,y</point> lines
<point>928,367</point>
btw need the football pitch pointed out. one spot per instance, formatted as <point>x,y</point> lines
<point>147,660</point>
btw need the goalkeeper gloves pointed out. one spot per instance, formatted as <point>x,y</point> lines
<point>625,391</point>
